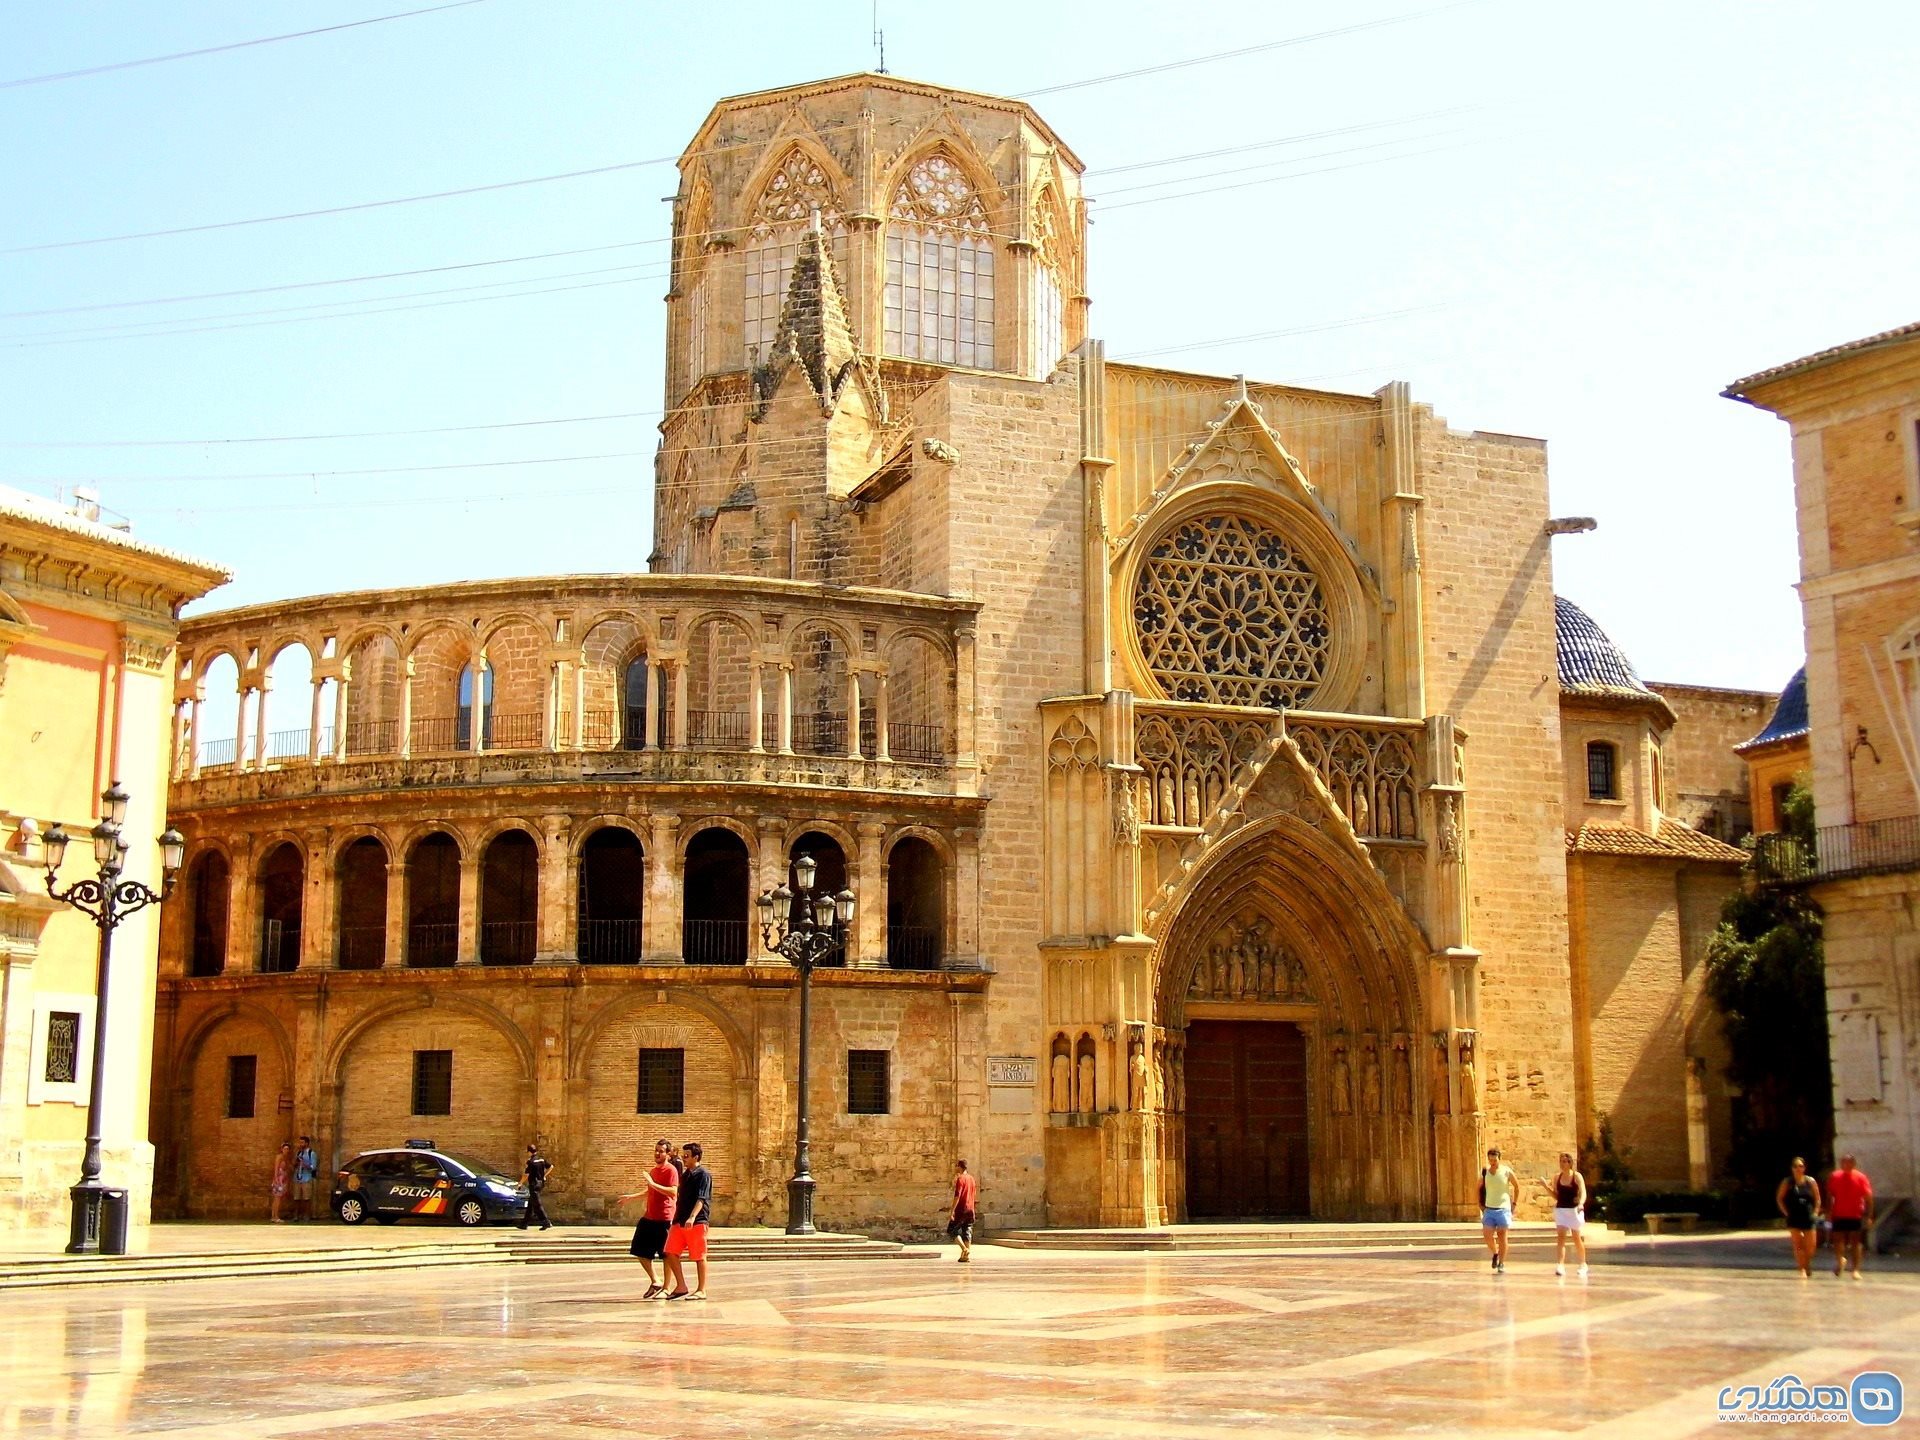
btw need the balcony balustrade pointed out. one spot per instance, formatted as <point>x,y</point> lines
<point>1870,847</point>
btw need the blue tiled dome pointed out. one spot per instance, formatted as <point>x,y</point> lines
<point>1590,663</point>
<point>1789,720</point>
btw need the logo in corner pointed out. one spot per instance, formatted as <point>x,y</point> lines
<point>1876,1397</point>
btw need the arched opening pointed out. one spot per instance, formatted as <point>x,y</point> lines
<point>373,698</point>
<point>939,259</point>
<point>719,683</point>
<point>635,686</point>
<point>510,900</point>
<point>821,691</point>
<point>360,933</point>
<point>209,892</point>
<point>475,709</point>
<point>613,886</point>
<point>433,902</point>
<point>519,682</point>
<point>919,701</point>
<point>218,713</point>
<point>916,906</point>
<point>282,881</point>
<point>830,878</point>
<point>439,683</point>
<point>713,924</point>
<point>287,733</point>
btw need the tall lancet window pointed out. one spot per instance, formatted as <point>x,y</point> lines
<point>1049,279</point>
<point>939,297</point>
<point>797,187</point>
<point>694,270</point>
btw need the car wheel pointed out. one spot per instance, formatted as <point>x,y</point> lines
<point>351,1210</point>
<point>470,1212</point>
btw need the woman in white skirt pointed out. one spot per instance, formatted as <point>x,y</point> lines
<point>1569,1191</point>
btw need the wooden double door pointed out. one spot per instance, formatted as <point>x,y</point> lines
<point>1246,1119</point>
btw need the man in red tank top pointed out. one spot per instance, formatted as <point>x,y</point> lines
<point>1850,1208</point>
<point>966,1191</point>
<point>650,1235</point>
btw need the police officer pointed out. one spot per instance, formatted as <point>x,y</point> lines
<point>538,1168</point>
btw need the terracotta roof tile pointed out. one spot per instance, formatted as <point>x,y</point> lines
<point>1737,390</point>
<point>1674,842</point>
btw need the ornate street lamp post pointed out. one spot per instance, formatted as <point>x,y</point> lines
<point>108,900</point>
<point>804,940</point>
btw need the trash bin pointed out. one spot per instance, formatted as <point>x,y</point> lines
<point>113,1222</point>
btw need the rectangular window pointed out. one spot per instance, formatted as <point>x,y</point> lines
<point>867,1082</point>
<point>433,1082</point>
<point>939,297</point>
<point>663,1083</point>
<point>63,1047</point>
<point>241,1073</point>
<point>1600,771</point>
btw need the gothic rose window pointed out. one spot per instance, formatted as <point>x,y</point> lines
<point>1228,613</point>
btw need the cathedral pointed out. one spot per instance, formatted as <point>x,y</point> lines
<point>1203,755</point>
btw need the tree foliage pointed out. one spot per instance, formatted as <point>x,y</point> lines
<point>1766,972</point>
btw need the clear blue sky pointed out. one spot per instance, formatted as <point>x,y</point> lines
<point>1561,221</point>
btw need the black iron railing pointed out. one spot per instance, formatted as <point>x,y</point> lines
<point>438,732</point>
<point>717,729</point>
<point>820,734</point>
<point>508,942</point>
<point>432,945</point>
<point>713,942</point>
<point>921,744</point>
<point>1872,847</point>
<point>633,735</point>
<point>279,947</point>
<point>373,737</point>
<point>215,753</point>
<point>609,942</point>
<point>360,947</point>
<point>516,732</point>
<point>914,947</point>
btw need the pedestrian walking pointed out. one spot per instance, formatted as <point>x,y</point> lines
<point>1569,1192</point>
<point>282,1172</point>
<point>650,1233</point>
<point>1499,1190</point>
<point>1798,1198</point>
<point>1850,1207</point>
<point>306,1168</point>
<point>687,1237</point>
<point>538,1171</point>
<point>966,1191</point>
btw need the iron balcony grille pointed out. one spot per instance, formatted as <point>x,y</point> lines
<point>432,945</point>
<point>508,942</point>
<point>914,947</point>
<point>372,737</point>
<point>1872,847</point>
<point>713,942</point>
<point>609,942</point>
<point>362,947</point>
<point>279,947</point>
<point>920,744</point>
<point>717,729</point>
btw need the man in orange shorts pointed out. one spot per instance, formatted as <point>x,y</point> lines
<point>688,1235</point>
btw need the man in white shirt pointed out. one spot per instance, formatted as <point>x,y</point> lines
<point>1499,1190</point>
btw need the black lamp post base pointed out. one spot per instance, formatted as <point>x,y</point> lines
<point>800,1205</point>
<point>83,1233</point>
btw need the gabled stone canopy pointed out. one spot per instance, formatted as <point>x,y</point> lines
<point>816,337</point>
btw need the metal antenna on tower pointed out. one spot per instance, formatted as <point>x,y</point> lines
<point>879,38</point>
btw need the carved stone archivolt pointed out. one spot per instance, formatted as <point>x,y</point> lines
<point>1228,612</point>
<point>1245,961</point>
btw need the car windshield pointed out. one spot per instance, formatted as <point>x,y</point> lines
<point>477,1167</point>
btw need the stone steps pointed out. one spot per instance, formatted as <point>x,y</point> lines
<point>1282,1236</point>
<point>564,1246</point>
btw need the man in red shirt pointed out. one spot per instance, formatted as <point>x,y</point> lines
<point>650,1235</point>
<point>966,1190</point>
<point>1850,1207</point>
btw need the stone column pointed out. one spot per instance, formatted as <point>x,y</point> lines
<point>178,764</point>
<point>662,913</point>
<point>395,950</point>
<point>194,742</point>
<point>679,670</point>
<point>964,948</point>
<point>785,727</point>
<point>260,736</point>
<point>469,941</point>
<point>770,869</point>
<point>559,903</point>
<point>882,743</point>
<point>403,746</point>
<point>243,938</point>
<point>965,699</point>
<point>756,710</point>
<point>853,713</point>
<point>313,723</point>
<point>240,729</point>
<point>656,706</point>
<point>870,889</point>
<point>340,713</point>
<point>550,709</point>
<point>480,708</point>
<point>317,941</point>
<point>579,706</point>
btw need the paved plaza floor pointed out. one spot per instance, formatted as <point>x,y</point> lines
<point>1018,1344</point>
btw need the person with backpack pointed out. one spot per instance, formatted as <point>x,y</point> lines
<point>537,1171</point>
<point>1499,1191</point>
<point>306,1168</point>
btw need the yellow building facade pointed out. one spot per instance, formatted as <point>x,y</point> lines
<point>1192,745</point>
<point>1855,417</point>
<point>88,616</point>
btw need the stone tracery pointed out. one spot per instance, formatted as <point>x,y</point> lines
<point>1229,613</point>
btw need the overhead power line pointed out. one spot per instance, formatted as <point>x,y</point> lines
<point>223,49</point>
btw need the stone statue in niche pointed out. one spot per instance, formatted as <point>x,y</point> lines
<point>1360,811</point>
<point>1061,1100</point>
<point>1169,807</point>
<point>1136,1074</point>
<point>1244,962</point>
<point>1190,802</point>
<point>1370,1075</point>
<point>1340,1079</point>
<point>1086,1095</point>
<point>1469,1082</point>
<point>1402,1074</point>
<point>1442,1089</point>
<point>1177,1075</point>
<point>1126,813</point>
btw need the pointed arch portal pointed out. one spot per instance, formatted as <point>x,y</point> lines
<point>1290,988</point>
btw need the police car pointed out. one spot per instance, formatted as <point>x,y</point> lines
<point>417,1179</point>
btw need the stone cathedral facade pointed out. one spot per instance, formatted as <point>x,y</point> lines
<point>1192,745</point>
